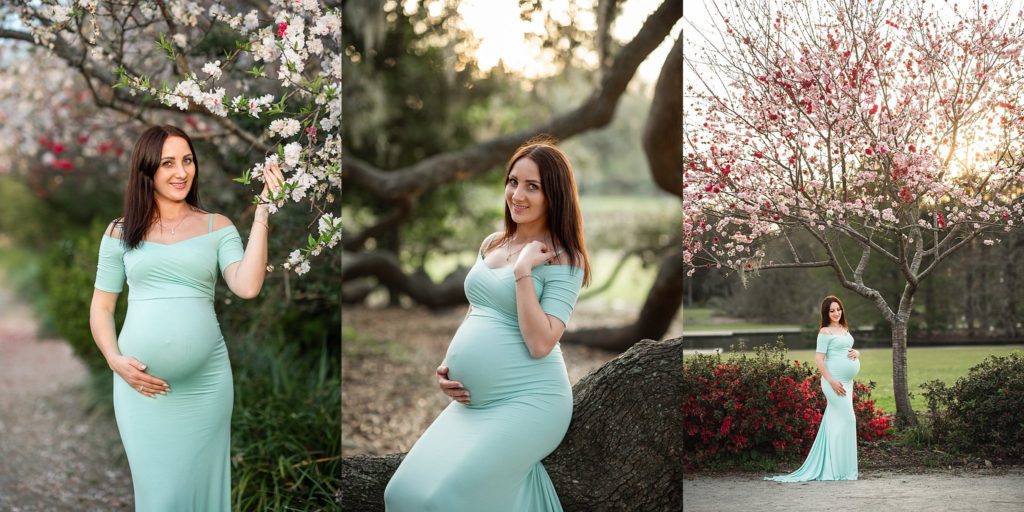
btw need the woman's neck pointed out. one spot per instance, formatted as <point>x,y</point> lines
<point>170,210</point>
<point>532,231</point>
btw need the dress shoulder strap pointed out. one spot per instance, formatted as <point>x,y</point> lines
<point>209,228</point>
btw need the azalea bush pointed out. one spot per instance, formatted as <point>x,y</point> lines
<point>983,412</point>
<point>761,405</point>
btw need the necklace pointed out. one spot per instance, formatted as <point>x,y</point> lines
<point>176,226</point>
<point>508,258</point>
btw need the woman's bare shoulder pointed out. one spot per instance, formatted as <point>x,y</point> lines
<point>115,228</point>
<point>221,222</point>
<point>488,242</point>
<point>831,330</point>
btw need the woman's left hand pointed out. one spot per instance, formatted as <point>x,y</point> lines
<point>535,253</point>
<point>853,354</point>
<point>272,180</point>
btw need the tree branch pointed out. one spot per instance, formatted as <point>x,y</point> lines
<point>595,112</point>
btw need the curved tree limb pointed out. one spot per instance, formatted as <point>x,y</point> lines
<point>388,270</point>
<point>663,132</point>
<point>595,112</point>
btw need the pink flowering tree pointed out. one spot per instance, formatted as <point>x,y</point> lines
<point>263,77</point>
<point>893,128</point>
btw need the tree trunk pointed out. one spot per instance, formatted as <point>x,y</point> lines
<point>904,412</point>
<point>623,450</point>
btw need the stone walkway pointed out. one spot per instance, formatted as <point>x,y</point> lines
<point>950,490</point>
<point>53,455</point>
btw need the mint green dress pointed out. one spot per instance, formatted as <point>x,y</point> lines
<point>833,455</point>
<point>486,456</point>
<point>177,444</point>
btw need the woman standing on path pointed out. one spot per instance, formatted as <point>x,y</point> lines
<point>172,390</point>
<point>833,455</point>
<point>483,451</point>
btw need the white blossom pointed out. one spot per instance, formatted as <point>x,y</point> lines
<point>180,40</point>
<point>252,21</point>
<point>212,69</point>
<point>284,128</point>
<point>292,152</point>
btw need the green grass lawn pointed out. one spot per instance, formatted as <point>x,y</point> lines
<point>923,364</point>
<point>701,319</point>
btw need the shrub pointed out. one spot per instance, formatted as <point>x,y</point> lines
<point>982,412</point>
<point>761,406</point>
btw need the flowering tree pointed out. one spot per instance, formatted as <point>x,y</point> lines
<point>260,77</point>
<point>889,127</point>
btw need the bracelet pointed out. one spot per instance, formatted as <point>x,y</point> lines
<point>264,224</point>
<point>522,276</point>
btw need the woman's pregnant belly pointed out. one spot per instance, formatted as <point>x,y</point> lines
<point>490,359</point>
<point>843,368</point>
<point>175,338</point>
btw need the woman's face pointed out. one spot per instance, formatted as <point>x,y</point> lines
<point>177,169</point>
<point>523,194</point>
<point>835,312</point>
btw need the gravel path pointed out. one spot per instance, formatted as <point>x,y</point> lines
<point>948,490</point>
<point>53,455</point>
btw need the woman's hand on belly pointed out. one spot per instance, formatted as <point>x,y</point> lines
<point>452,388</point>
<point>853,354</point>
<point>838,387</point>
<point>134,373</point>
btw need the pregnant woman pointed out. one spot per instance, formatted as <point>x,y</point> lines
<point>172,385</point>
<point>833,455</point>
<point>512,395</point>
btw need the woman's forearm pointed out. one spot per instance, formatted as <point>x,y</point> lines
<point>819,360</point>
<point>104,332</point>
<point>252,269</point>
<point>536,326</point>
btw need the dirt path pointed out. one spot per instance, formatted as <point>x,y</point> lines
<point>53,456</point>
<point>948,490</point>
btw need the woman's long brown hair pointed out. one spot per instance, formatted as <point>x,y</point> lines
<point>139,205</point>
<point>825,305</point>
<point>565,221</point>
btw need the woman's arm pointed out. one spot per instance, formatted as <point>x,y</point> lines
<point>245,278</point>
<point>104,333</point>
<point>819,360</point>
<point>540,330</point>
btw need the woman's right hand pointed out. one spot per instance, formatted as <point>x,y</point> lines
<point>452,388</point>
<point>134,373</point>
<point>838,387</point>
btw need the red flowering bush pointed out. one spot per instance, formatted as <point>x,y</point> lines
<point>761,404</point>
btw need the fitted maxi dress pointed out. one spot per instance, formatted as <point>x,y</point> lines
<point>833,455</point>
<point>177,444</point>
<point>486,456</point>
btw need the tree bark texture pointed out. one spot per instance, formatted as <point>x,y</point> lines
<point>904,412</point>
<point>623,450</point>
